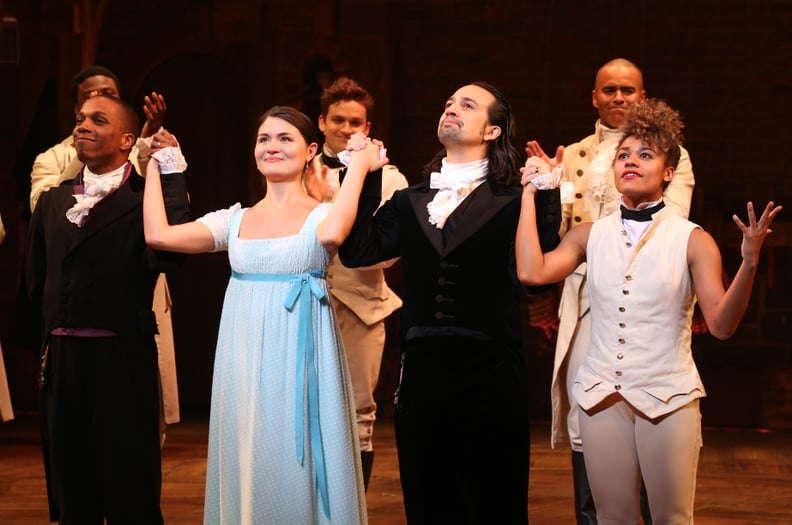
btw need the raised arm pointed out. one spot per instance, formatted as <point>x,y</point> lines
<point>154,108</point>
<point>365,157</point>
<point>392,181</point>
<point>533,266</point>
<point>189,237</point>
<point>723,309</point>
<point>536,268</point>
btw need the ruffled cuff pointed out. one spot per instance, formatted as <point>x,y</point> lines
<point>345,157</point>
<point>170,160</point>
<point>547,180</point>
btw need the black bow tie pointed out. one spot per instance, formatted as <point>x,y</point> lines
<point>331,162</point>
<point>641,215</point>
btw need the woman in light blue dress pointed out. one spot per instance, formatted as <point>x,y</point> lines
<point>282,437</point>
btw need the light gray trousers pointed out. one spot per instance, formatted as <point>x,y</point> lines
<point>621,445</point>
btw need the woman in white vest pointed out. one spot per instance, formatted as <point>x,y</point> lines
<point>638,386</point>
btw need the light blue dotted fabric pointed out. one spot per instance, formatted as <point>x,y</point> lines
<point>253,472</point>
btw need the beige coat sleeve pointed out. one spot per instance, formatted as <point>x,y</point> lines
<point>679,193</point>
<point>57,164</point>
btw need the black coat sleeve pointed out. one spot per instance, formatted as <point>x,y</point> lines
<point>375,236</point>
<point>548,223</point>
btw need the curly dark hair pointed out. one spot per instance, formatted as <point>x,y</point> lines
<point>656,124</point>
<point>343,89</point>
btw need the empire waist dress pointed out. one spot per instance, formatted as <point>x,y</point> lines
<point>282,439</point>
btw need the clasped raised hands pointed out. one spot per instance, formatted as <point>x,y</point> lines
<point>543,172</point>
<point>364,150</point>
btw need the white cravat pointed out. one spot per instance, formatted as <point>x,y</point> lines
<point>455,182</point>
<point>96,187</point>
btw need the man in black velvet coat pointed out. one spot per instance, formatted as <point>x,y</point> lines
<point>89,270</point>
<point>462,426</point>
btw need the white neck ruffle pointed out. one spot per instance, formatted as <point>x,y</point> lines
<point>455,182</point>
<point>96,187</point>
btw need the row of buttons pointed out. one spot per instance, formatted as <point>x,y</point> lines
<point>622,325</point>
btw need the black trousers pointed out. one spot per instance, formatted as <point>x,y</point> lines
<point>100,431</point>
<point>462,433</point>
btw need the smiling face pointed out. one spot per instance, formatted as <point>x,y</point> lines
<point>616,87</point>
<point>281,151</point>
<point>103,134</point>
<point>640,172</point>
<point>343,119</point>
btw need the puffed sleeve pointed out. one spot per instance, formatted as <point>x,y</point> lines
<point>219,223</point>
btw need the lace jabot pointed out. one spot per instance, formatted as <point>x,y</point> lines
<point>600,170</point>
<point>95,188</point>
<point>455,182</point>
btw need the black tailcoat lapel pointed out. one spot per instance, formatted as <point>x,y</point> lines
<point>124,201</point>
<point>485,203</point>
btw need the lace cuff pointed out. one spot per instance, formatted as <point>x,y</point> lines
<point>345,157</point>
<point>547,180</point>
<point>170,160</point>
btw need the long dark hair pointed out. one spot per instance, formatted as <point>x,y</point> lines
<point>504,163</point>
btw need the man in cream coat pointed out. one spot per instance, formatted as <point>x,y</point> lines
<point>361,297</point>
<point>587,166</point>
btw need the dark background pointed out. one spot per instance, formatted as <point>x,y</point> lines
<point>726,65</point>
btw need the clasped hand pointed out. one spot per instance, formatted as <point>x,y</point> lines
<point>370,152</point>
<point>543,172</point>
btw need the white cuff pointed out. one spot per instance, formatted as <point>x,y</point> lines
<point>170,160</point>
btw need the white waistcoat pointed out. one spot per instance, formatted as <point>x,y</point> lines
<point>642,303</point>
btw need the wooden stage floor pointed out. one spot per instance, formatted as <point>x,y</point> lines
<point>745,477</point>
